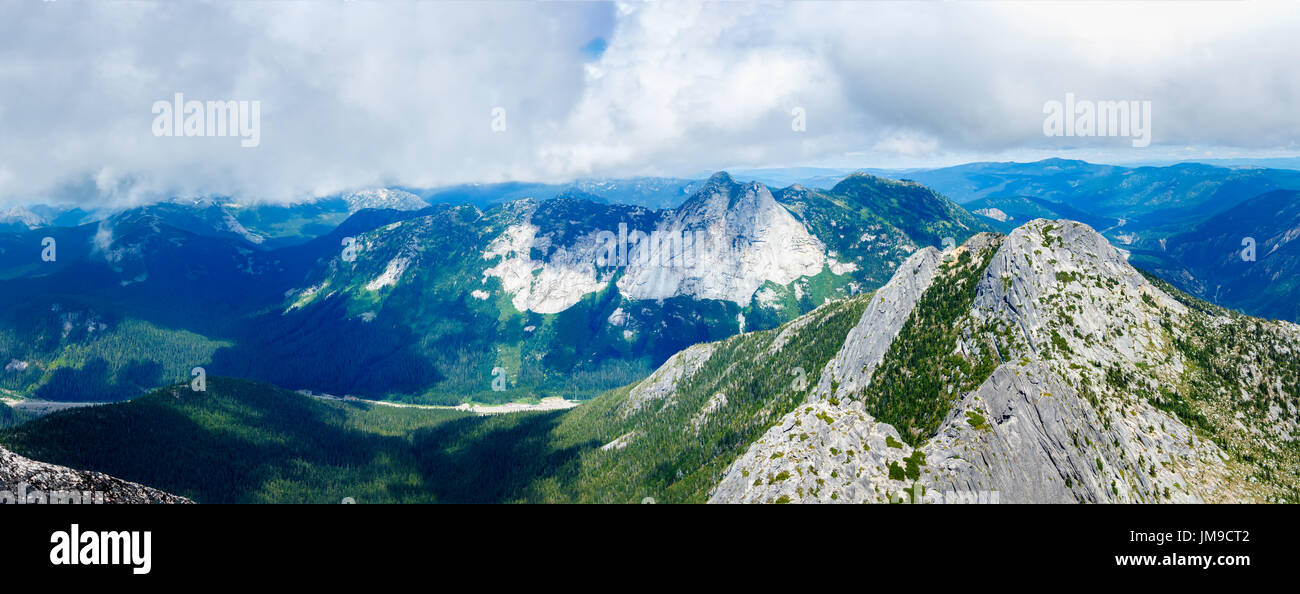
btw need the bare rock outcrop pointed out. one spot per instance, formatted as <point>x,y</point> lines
<point>1081,348</point>
<point>39,482</point>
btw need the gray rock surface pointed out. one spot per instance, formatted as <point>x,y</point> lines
<point>1057,303</point>
<point>867,342</point>
<point>662,384</point>
<point>1042,442</point>
<point>49,483</point>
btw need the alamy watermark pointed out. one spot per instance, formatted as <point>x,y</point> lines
<point>75,546</point>
<point>937,497</point>
<point>500,381</point>
<point>1081,117</point>
<point>28,496</point>
<point>666,248</point>
<point>179,117</point>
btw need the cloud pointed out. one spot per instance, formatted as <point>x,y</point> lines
<point>362,94</point>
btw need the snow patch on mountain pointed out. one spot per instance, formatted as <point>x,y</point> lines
<point>20,216</point>
<point>383,198</point>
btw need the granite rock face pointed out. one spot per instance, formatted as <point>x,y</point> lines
<point>739,238</point>
<point>48,483</point>
<point>1081,348</point>
<point>868,341</point>
<point>662,384</point>
<point>724,243</point>
<point>1043,442</point>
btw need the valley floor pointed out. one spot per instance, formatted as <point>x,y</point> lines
<point>551,403</point>
<point>547,404</point>
<point>43,407</point>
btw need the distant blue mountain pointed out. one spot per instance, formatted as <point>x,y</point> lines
<point>1247,258</point>
<point>1248,162</point>
<point>1145,202</point>
<point>655,193</point>
<point>1184,222</point>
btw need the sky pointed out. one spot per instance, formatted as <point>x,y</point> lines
<point>360,94</point>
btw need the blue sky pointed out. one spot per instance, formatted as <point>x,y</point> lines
<point>362,94</point>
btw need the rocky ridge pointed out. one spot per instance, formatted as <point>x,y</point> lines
<point>1086,396</point>
<point>49,483</point>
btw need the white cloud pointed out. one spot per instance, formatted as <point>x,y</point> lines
<point>363,94</point>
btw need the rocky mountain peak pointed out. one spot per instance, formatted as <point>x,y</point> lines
<point>383,198</point>
<point>1061,290</point>
<point>868,342</point>
<point>1035,367</point>
<point>21,217</point>
<point>734,238</point>
<point>719,179</point>
<point>721,196</point>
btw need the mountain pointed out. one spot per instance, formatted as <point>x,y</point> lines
<point>566,296</point>
<point>1245,162</point>
<point>970,181</point>
<point>1008,212</point>
<point>925,216</point>
<point>822,178</point>
<point>139,299</point>
<point>1108,189</point>
<point>520,288</point>
<point>47,483</point>
<point>1185,221</point>
<point>251,442</point>
<point>1044,368</point>
<point>204,219</point>
<point>26,218</point>
<point>10,417</point>
<point>18,218</point>
<point>653,193</point>
<point>1214,261</point>
<point>243,442</point>
<point>383,198</point>
<point>575,297</point>
<point>292,224</point>
<point>1145,200</point>
<point>1033,367</point>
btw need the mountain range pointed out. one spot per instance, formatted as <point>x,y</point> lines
<point>1245,258</point>
<point>868,340</point>
<point>1033,367</point>
<point>1186,221</point>
<point>437,303</point>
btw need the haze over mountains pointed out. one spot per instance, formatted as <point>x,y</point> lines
<point>1245,257</point>
<point>1138,208</point>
